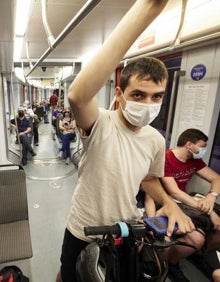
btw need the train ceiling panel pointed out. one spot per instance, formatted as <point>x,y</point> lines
<point>57,44</point>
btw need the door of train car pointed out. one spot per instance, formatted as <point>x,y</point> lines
<point>164,121</point>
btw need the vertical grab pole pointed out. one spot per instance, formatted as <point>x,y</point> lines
<point>177,74</point>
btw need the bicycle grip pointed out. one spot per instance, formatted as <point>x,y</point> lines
<point>102,230</point>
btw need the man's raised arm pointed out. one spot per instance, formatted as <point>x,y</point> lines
<point>98,70</point>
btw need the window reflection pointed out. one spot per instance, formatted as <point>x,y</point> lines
<point>215,155</point>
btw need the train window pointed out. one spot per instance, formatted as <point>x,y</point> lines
<point>215,155</point>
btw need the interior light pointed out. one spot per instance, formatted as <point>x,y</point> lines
<point>18,43</point>
<point>20,74</point>
<point>21,21</point>
<point>22,15</point>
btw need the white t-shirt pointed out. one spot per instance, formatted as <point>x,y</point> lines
<point>114,162</point>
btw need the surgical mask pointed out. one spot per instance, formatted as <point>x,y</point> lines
<point>200,154</point>
<point>140,114</point>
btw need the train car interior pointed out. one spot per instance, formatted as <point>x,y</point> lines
<point>43,46</point>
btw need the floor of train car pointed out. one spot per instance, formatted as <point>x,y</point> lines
<point>50,184</point>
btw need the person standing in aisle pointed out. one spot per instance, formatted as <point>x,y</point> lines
<point>120,149</point>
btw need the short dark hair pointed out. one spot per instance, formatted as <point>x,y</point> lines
<point>149,68</point>
<point>193,135</point>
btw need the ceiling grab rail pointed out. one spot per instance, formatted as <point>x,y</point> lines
<point>49,34</point>
<point>28,56</point>
<point>192,42</point>
<point>83,12</point>
<point>176,40</point>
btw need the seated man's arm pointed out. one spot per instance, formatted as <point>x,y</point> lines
<point>210,175</point>
<point>173,190</point>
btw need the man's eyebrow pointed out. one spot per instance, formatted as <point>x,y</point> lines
<point>160,93</point>
<point>135,91</point>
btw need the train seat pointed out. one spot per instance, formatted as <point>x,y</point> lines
<point>15,239</point>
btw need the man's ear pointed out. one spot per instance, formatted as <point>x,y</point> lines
<point>118,93</point>
<point>189,145</point>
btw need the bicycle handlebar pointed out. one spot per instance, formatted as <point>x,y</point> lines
<point>102,230</point>
<point>119,229</point>
<point>122,229</point>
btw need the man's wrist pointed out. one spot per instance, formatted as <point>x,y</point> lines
<point>213,193</point>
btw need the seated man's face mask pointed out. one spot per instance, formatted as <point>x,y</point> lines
<point>200,154</point>
<point>140,114</point>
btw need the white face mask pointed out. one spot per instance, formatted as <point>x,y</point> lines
<point>140,114</point>
<point>200,154</point>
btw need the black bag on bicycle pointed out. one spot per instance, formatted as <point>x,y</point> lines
<point>151,261</point>
<point>97,262</point>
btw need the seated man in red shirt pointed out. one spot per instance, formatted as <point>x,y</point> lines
<point>181,163</point>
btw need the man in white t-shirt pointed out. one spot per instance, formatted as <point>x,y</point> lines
<point>120,149</point>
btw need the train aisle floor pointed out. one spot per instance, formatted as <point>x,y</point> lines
<point>50,184</point>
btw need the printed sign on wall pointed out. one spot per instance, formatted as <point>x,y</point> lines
<point>198,72</point>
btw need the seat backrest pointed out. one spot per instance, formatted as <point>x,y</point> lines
<point>13,196</point>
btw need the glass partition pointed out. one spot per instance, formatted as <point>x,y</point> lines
<point>214,162</point>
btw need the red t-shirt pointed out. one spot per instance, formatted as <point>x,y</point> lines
<point>182,172</point>
<point>53,99</point>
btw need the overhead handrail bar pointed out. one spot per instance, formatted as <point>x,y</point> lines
<point>83,12</point>
<point>50,36</point>
<point>28,56</point>
<point>183,12</point>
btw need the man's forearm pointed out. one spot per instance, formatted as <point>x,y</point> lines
<point>155,190</point>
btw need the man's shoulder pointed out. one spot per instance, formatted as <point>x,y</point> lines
<point>169,153</point>
<point>170,157</point>
<point>154,132</point>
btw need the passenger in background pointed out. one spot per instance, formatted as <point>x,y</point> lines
<point>53,100</point>
<point>23,129</point>
<point>28,110</point>
<point>120,149</point>
<point>36,123</point>
<point>56,114</point>
<point>29,114</point>
<point>67,127</point>
<point>47,110</point>
<point>181,163</point>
